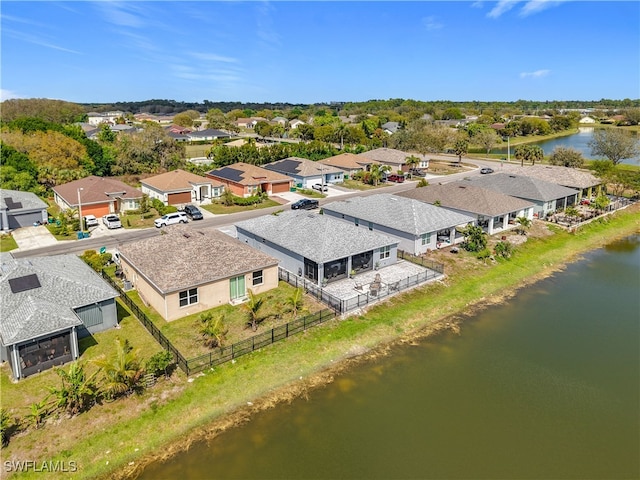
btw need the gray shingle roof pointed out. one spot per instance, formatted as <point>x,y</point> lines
<point>468,197</point>
<point>66,283</point>
<point>521,186</point>
<point>317,237</point>
<point>27,200</point>
<point>399,213</point>
<point>390,156</point>
<point>567,177</point>
<point>301,167</point>
<point>182,257</point>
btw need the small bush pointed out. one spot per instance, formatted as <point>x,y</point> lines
<point>160,364</point>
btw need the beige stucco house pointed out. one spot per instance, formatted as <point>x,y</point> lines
<point>185,270</point>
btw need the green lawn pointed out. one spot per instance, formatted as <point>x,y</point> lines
<point>7,242</point>
<point>358,185</point>
<point>184,334</point>
<point>310,193</point>
<point>220,209</point>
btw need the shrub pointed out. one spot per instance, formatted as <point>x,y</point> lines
<point>504,249</point>
<point>160,364</point>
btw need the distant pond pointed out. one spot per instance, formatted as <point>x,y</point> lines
<point>579,141</point>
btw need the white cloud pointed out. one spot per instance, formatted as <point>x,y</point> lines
<point>8,95</point>
<point>501,7</point>
<point>536,6</point>
<point>121,13</point>
<point>212,57</point>
<point>25,37</point>
<point>432,23</point>
<point>536,74</point>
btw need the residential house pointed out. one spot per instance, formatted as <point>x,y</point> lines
<point>21,209</point>
<point>95,118</point>
<point>584,181</point>
<point>295,123</point>
<point>349,163</point>
<point>493,211</point>
<point>418,226</point>
<point>207,135</point>
<point>47,304</point>
<point>546,197</point>
<point>249,122</point>
<point>191,270</point>
<point>245,180</point>
<point>280,120</point>
<point>97,196</point>
<point>390,127</point>
<point>320,248</point>
<point>586,120</point>
<point>396,159</point>
<point>306,173</point>
<point>179,187</point>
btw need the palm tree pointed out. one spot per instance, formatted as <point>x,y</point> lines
<point>523,225</point>
<point>252,307</point>
<point>412,161</point>
<point>122,372</point>
<point>38,412</point>
<point>212,329</point>
<point>475,239</point>
<point>377,171</point>
<point>77,391</point>
<point>296,301</point>
<point>341,131</point>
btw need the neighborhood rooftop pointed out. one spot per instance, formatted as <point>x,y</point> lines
<point>399,213</point>
<point>95,190</point>
<point>521,186</point>
<point>183,256</point>
<point>301,167</point>
<point>468,197</point>
<point>319,238</point>
<point>390,156</point>
<point>348,161</point>
<point>246,174</point>
<point>177,180</point>
<point>568,177</point>
<point>39,293</point>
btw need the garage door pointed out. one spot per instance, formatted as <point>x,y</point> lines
<point>24,219</point>
<point>97,210</point>
<point>279,187</point>
<point>179,198</point>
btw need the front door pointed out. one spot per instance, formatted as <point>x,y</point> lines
<point>238,288</point>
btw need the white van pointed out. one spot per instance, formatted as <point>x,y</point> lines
<point>171,219</point>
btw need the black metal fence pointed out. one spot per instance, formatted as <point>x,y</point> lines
<point>312,289</point>
<point>227,353</point>
<point>430,264</point>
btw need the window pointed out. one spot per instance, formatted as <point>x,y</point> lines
<point>189,297</point>
<point>370,225</point>
<point>357,221</point>
<point>426,238</point>
<point>257,278</point>
<point>385,252</point>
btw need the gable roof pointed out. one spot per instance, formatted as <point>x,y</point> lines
<point>186,257</point>
<point>400,213</point>
<point>15,201</point>
<point>319,238</point>
<point>300,167</point>
<point>246,174</point>
<point>45,306</point>
<point>390,156</point>
<point>209,132</point>
<point>177,181</point>
<point>565,176</point>
<point>349,161</point>
<point>95,190</point>
<point>521,186</point>
<point>468,197</point>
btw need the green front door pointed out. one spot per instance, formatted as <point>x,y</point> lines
<point>238,288</point>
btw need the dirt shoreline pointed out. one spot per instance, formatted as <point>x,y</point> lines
<point>327,373</point>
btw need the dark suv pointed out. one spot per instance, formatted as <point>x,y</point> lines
<point>192,212</point>
<point>305,204</point>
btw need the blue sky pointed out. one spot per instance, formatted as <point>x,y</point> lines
<point>308,52</point>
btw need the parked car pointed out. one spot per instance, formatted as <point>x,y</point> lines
<point>171,219</point>
<point>305,204</point>
<point>416,172</point>
<point>111,221</point>
<point>395,178</point>
<point>320,187</point>
<point>193,212</point>
<point>90,221</point>
<point>486,170</point>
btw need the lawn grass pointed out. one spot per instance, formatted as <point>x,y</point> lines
<point>184,334</point>
<point>310,193</point>
<point>112,440</point>
<point>139,220</point>
<point>220,209</point>
<point>358,185</point>
<point>7,242</point>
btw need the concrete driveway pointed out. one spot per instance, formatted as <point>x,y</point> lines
<point>29,238</point>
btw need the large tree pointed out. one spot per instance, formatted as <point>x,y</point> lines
<point>614,144</point>
<point>566,157</point>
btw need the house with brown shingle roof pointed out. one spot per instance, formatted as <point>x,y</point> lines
<point>350,163</point>
<point>194,269</point>
<point>396,159</point>
<point>179,187</point>
<point>493,211</point>
<point>97,196</point>
<point>244,179</point>
<point>582,180</point>
<point>306,173</point>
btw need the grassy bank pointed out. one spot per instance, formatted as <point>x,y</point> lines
<point>170,416</point>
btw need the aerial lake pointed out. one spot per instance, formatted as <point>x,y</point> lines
<point>545,386</point>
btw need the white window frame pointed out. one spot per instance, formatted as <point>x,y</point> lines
<point>189,296</point>
<point>260,277</point>
<point>385,252</point>
<point>426,238</point>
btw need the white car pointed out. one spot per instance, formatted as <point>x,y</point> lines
<point>171,219</point>
<point>320,187</point>
<point>111,221</point>
<point>90,221</point>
